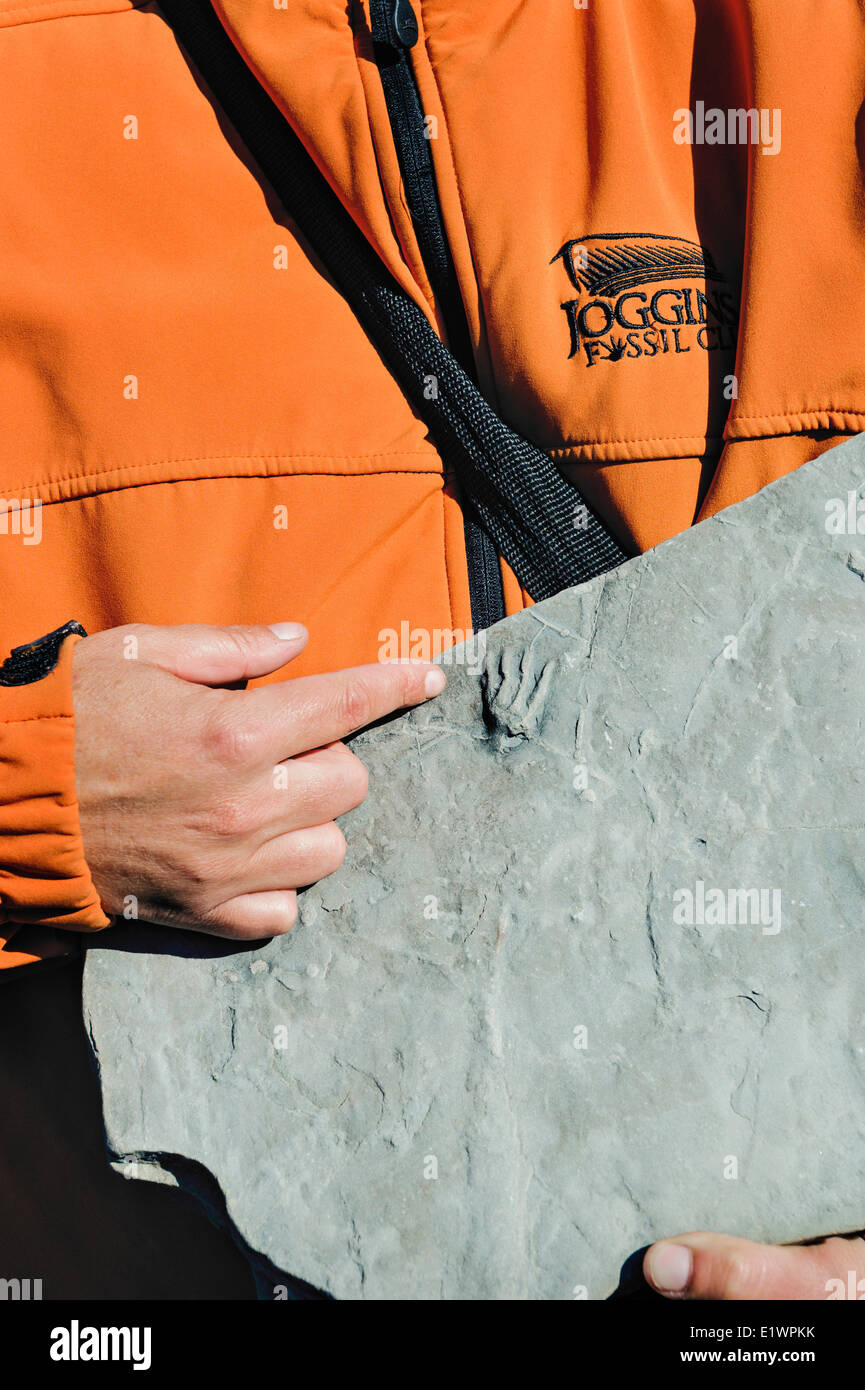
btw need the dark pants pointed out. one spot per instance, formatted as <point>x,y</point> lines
<point>65,1217</point>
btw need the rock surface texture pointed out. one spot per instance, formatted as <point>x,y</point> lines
<point>594,969</point>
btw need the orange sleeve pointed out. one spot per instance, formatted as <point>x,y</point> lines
<point>44,879</point>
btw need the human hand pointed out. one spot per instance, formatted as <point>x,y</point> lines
<point>702,1265</point>
<point>205,806</point>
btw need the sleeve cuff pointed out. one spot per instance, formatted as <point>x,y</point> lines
<point>44,877</point>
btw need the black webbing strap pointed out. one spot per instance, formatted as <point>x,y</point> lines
<point>538,521</point>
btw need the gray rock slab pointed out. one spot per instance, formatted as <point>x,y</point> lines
<point>594,969</point>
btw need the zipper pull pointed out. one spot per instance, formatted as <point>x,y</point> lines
<point>405,23</point>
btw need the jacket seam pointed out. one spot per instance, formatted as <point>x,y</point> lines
<point>434,468</point>
<point>222,458</point>
<point>599,443</point>
<point>793,414</point>
<point>34,718</point>
<point>637,439</point>
<point>29,14</point>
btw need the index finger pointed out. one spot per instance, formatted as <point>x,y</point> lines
<point>311,711</point>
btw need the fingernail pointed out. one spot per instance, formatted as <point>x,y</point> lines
<point>435,681</point>
<point>669,1267</point>
<point>288,632</point>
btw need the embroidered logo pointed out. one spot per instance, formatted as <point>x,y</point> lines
<point>615,317</point>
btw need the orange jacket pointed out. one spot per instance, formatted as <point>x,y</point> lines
<point>665,292</point>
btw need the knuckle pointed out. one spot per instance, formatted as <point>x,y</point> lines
<point>355,703</point>
<point>243,642</point>
<point>330,847</point>
<point>339,848</point>
<point>227,739</point>
<point>288,917</point>
<point>355,780</point>
<point>740,1276</point>
<point>359,780</point>
<point>232,819</point>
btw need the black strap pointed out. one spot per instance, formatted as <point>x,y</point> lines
<point>538,521</point>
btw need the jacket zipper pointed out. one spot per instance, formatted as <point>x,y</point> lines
<point>395,32</point>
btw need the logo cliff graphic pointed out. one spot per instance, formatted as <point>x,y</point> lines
<point>614,318</point>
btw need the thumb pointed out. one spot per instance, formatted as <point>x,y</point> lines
<point>705,1266</point>
<point>222,655</point>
